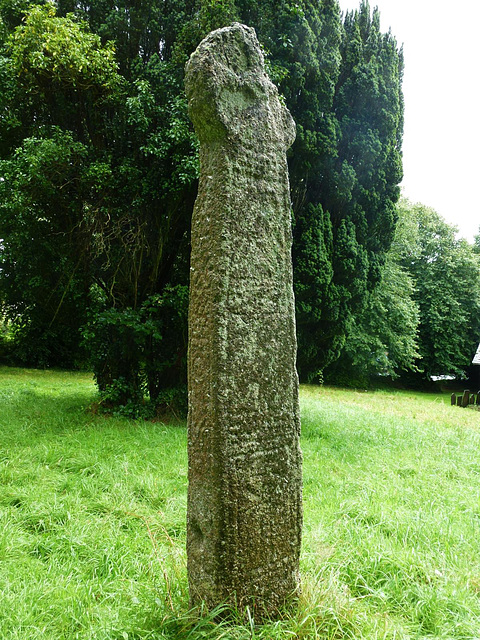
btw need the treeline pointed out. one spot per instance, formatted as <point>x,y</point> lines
<point>98,176</point>
<point>423,318</point>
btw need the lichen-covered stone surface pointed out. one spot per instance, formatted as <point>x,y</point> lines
<point>244,499</point>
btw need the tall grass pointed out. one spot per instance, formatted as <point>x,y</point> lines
<point>92,520</point>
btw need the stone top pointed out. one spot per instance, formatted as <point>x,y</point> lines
<point>227,86</point>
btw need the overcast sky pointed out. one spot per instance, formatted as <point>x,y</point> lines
<point>442,95</point>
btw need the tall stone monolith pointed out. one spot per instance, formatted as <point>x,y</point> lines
<point>244,496</point>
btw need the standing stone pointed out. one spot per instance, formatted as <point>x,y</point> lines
<point>466,398</point>
<point>245,488</point>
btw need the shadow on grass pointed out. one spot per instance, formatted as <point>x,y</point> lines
<point>60,410</point>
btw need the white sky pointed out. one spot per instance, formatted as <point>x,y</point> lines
<point>441,86</point>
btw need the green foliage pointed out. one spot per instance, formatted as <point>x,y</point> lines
<point>476,245</point>
<point>345,169</point>
<point>44,291</point>
<point>383,339</point>
<point>446,272</point>
<point>422,320</point>
<point>101,172</point>
<point>40,57</point>
<point>58,73</point>
<point>134,355</point>
<point>315,295</point>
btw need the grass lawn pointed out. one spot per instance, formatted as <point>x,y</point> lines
<point>92,519</point>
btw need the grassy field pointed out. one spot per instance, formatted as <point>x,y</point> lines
<point>92,519</point>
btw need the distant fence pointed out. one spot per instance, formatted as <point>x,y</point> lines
<point>467,399</point>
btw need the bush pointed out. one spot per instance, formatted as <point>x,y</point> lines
<point>138,356</point>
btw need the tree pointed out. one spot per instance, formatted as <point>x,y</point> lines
<point>446,272</point>
<point>384,337</point>
<point>39,257</point>
<point>422,320</point>
<point>45,179</point>
<point>129,196</point>
<point>347,218</point>
<point>476,245</point>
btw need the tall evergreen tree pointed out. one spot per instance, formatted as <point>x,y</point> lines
<point>354,194</point>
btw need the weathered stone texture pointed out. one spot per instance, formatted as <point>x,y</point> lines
<point>244,500</point>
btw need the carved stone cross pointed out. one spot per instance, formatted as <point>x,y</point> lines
<point>245,487</point>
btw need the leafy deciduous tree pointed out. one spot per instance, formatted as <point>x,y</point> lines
<point>446,273</point>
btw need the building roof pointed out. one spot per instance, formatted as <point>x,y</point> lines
<point>476,357</point>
